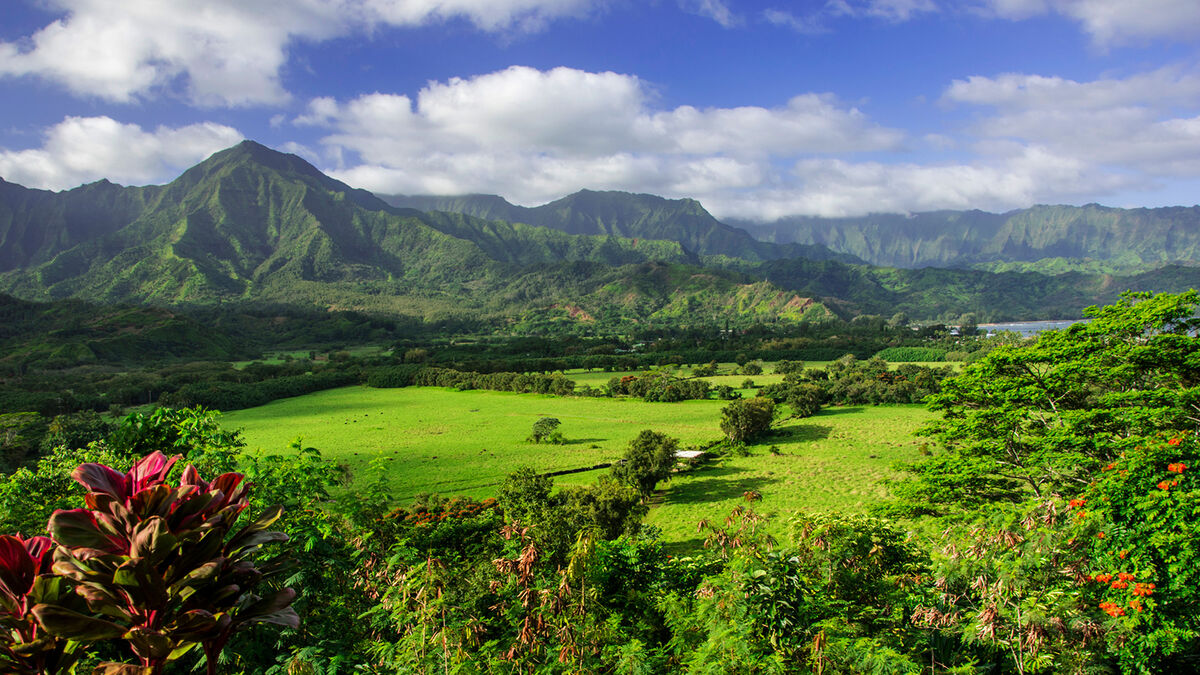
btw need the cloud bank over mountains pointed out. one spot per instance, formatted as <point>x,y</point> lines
<point>1003,139</point>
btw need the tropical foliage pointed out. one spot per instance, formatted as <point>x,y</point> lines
<point>1048,530</point>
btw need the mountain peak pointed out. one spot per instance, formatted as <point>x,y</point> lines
<point>257,158</point>
<point>252,152</point>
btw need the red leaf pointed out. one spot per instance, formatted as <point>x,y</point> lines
<point>100,478</point>
<point>41,550</point>
<point>150,470</point>
<point>16,566</point>
<point>110,668</point>
<point>77,528</point>
<point>192,477</point>
<point>73,625</point>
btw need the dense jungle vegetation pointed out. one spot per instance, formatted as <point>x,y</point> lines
<point>1048,529</point>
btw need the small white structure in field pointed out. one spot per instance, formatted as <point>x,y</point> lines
<point>686,459</point>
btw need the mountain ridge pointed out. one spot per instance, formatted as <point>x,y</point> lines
<point>1045,238</point>
<point>1118,239</point>
<point>631,215</point>
<point>252,225</point>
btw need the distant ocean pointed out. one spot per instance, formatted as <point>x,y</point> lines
<point>1030,327</point>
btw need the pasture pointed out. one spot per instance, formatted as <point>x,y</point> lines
<point>428,439</point>
<point>833,461</point>
<point>431,439</point>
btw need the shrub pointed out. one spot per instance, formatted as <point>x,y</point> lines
<point>747,419</point>
<point>159,567</point>
<point>545,430</point>
<point>649,459</point>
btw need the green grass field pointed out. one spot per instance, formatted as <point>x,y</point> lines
<point>832,461</point>
<point>432,439</point>
<point>429,439</point>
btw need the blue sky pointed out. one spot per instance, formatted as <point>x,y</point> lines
<point>759,109</point>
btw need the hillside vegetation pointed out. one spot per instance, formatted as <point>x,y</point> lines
<point>251,225</point>
<point>1051,239</point>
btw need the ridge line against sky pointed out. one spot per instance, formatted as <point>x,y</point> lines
<point>758,109</point>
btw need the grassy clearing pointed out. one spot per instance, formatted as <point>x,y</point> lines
<point>830,462</point>
<point>429,439</point>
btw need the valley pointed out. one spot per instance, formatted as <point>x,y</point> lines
<point>479,403</point>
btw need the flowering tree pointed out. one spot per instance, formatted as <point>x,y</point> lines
<point>1042,418</point>
<point>1070,459</point>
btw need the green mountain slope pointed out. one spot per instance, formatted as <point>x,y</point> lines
<point>37,224</point>
<point>72,332</point>
<point>528,245</point>
<point>655,292</point>
<point>251,224</point>
<point>1091,237</point>
<point>932,292</point>
<point>633,216</point>
<point>255,226</point>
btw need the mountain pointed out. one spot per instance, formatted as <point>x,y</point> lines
<point>36,224</point>
<point>944,293</point>
<point>1052,239</point>
<point>261,228</point>
<point>248,222</point>
<point>634,216</point>
<point>252,224</point>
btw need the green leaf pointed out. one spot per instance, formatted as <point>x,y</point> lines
<point>77,528</point>
<point>149,644</point>
<point>70,624</point>
<point>252,533</point>
<point>110,668</point>
<point>151,539</point>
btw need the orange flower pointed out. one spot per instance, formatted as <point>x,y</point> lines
<point>1099,535</point>
<point>1137,606</point>
<point>1104,578</point>
<point>1121,555</point>
<point>1112,609</point>
<point>1076,503</point>
<point>1173,441</point>
<point>1119,585</point>
<point>1165,485</point>
<point>1177,467</point>
<point>1143,589</point>
<point>1110,467</point>
<point>1125,576</point>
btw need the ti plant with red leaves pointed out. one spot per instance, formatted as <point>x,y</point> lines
<point>156,565</point>
<point>26,585</point>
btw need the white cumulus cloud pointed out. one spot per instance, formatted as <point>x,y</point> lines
<point>815,21</point>
<point>535,135</point>
<point>225,52</point>
<point>1113,21</point>
<point>1146,122</point>
<point>835,187</point>
<point>85,149</point>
